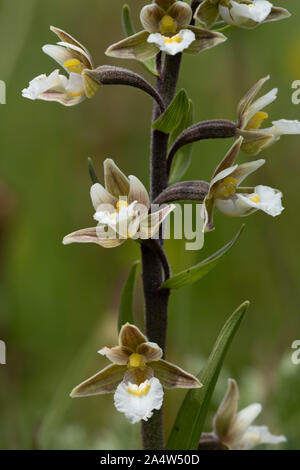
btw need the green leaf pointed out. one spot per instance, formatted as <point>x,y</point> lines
<point>183,158</point>
<point>126,303</point>
<point>190,420</point>
<point>127,21</point>
<point>191,275</point>
<point>129,30</point>
<point>92,171</point>
<point>174,114</point>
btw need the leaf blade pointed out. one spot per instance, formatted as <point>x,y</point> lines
<point>126,302</point>
<point>183,159</point>
<point>197,272</point>
<point>174,114</point>
<point>190,420</point>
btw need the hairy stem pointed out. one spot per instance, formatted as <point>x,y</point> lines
<point>216,129</point>
<point>156,301</point>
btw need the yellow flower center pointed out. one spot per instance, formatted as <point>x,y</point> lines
<point>140,391</point>
<point>257,120</point>
<point>255,198</point>
<point>168,25</point>
<point>74,65</point>
<point>227,187</point>
<point>176,38</point>
<point>74,95</point>
<point>121,204</point>
<point>135,360</point>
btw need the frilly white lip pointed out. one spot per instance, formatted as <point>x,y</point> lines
<point>56,87</point>
<point>264,198</point>
<point>175,44</point>
<point>238,13</point>
<point>137,402</point>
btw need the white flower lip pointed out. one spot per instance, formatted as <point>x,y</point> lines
<point>239,13</point>
<point>284,127</point>
<point>43,83</point>
<point>138,402</point>
<point>269,200</point>
<point>175,44</point>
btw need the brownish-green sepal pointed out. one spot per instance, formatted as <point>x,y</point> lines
<point>277,14</point>
<point>255,141</point>
<point>207,13</point>
<point>105,381</point>
<point>172,376</point>
<point>134,47</point>
<point>164,4</point>
<point>205,39</point>
<point>90,85</point>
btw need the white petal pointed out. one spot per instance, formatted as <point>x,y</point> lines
<point>236,206</point>
<point>56,87</point>
<point>42,83</point>
<point>58,53</point>
<point>269,200</point>
<point>223,174</point>
<point>284,126</point>
<point>75,86</point>
<point>171,45</point>
<point>100,195</point>
<point>257,435</point>
<point>138,402</point>
<point>240,13</point>
<point>261,103</point>
<point>242,422</point>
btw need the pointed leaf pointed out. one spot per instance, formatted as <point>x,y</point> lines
<point>129,30</point>
<point>174,114</point>
<point>127,21</point>
<point>126,303</point>
<point>190,420</point>
<point>183,158</point>
<point>197,272</point>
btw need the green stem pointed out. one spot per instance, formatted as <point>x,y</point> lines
<point>156,301</point>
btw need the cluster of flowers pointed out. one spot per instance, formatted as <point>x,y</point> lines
<point>138,373</point>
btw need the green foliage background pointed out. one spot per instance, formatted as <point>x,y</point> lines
<point>59,304</point>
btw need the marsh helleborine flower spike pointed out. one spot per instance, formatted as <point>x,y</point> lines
<point>242,13</point>
<point>76,60</point>
<point>234,429</point>
<point>136,377</point>
<point>166,28</point>
<point>122,211</point>
<point>251,117</point>
<point>234,201</point>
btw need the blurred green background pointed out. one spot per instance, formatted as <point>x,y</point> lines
<point>59,304</point>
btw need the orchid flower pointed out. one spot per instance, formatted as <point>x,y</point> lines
<point>76,60</point>
<point>136,377</point>
<point>234,429</point>
<point>242,13</point>
<point>166,28</point>
<point>234,201</point>
<point>122,208</point>
<point>251,117</point>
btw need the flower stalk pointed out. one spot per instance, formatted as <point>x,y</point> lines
<point>215,129</point>
<point>156,301</point>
